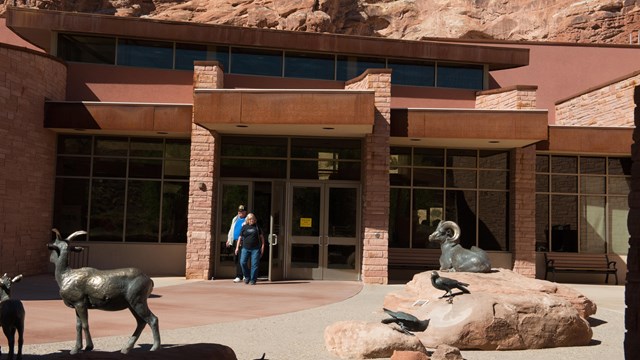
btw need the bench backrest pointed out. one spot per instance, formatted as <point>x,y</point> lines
<point>576,260</point>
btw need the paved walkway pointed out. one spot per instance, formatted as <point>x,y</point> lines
<point>284,320</point>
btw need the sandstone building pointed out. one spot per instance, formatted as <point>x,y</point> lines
<point>148,134</point>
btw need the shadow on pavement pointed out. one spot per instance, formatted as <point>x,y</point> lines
<point>168,352</point>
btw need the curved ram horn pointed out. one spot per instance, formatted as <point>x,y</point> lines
<point>453,226</point>
<point>57,233</point>
<point>77,233</point>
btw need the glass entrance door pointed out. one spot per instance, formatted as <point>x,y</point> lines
<point>324,231</point>
<point>266,200</point>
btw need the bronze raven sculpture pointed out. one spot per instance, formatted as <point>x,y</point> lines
<point>407,322</point>
<point>447,285</point>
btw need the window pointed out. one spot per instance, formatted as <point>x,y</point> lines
<point>412,73</point>
<point>89,49</point>
<point>460,76</point>
<point>145,53</point>
<point>256,62</point>
<point>123,189</point>
<point>470,187</point>
<point>293,158</point>
<point>581,203</point>
<point>186,54</point>
<point>349,67</point>
<point>311,66</point>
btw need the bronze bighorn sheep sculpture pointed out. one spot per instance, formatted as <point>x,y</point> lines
<point>11,315</point>
<point>454,257</point>
<point>88,288</point>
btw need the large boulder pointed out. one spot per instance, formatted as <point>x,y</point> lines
<point>362,340</point>
<point>505,311</point>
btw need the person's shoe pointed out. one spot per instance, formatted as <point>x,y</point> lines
<point>236,280</point>
<point>246,282</point>
<point>252,283</point>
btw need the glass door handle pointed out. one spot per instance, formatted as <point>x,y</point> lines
<point>273,239</point>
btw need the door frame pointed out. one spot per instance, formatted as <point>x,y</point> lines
<point>323,271</point>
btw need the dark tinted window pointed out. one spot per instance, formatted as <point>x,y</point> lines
<point>256,62</point>
<point>186,54</point>
<point>349,67</point>
<point>412,73</point>
<point>311,66</point>
<point>154,54</point>
<point>89,49</point>
<point>460,76</point>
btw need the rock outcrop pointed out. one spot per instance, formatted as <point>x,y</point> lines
<point>505,311</point>
<point>362,340</point>
<point>595,21</point>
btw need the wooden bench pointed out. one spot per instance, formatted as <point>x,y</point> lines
<point>417,259</point>
<point>560,262</point>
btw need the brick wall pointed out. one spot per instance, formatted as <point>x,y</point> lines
<point>205,146</point>
<point>376,178</point>
<point>522,239</point>
<point>608,105</point>
<point>27,157</point>
<point>513,97</point>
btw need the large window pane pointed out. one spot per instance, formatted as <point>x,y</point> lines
<point>542,183</point>
<point>461,179</point>
<point>542,163</point>
<point>176,169</point>
<point>620,166</point>
<point>494,159</point>
<point>146,147</point>
<point>112,146</point>
<point>564,164</point>
<point>399,218</point>
<point>145,53</point>
<point>88,49</point>
<point>110,167</point>
<point>618,231</point>
<point>400,156</point>
<point>107,210</point>
<point>339,149</point>
<point>461,208</point>
<point>592,184</point>
<point>461,158</point>
<point>254,146</point>
<point>143,211</point>
<point>350,67</point>
<point>325,170</point>
<point>412,73</point>
<point>74,145</point>
<point>564,183</point>
<point>592,225</point>
<point>177,149</point>
<point>311,66</point>
<point>428,210</point>
<point>187,54</point>
<point>564,223</point>
<point>493,220</point>
<point>492,179</point>
<point>175,202</point>
<point>71,205</point>
<point>342,212</point>
<point>619,185</point>
<point>253,168</point>
<point>428,157</point>
<point>256,62</point>
<point>428,177</point>
<point>593,165</point>
<point>542,223</point>
<point>73,166</point>
<point>460,76</point>
<point>145,168</point>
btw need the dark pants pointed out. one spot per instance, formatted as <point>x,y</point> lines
<point>236,259</point>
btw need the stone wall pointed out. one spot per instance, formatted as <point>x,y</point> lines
<point>27,157</point>
<point>522,232</point>
<point>202,184</point>
<point>609,105</point>
<point>375,191</point>
<point>513,97</point>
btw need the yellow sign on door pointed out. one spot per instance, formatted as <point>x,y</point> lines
<point>305,222</point>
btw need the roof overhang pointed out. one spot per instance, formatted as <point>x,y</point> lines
<point>468,128</point>
<point>343,113</point>
<point>119,118</point>
<point>584,139</point>
<point>38,27</point>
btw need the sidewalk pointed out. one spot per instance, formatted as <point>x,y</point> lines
<point>284,320</point>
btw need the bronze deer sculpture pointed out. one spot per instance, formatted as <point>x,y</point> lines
<point>111,290</point>
<point>11,315</point>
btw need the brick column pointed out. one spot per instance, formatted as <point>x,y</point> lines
<point>205,146</point>
<point>375,197</point>
<point>522,239</point>
<point>632,290</point>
